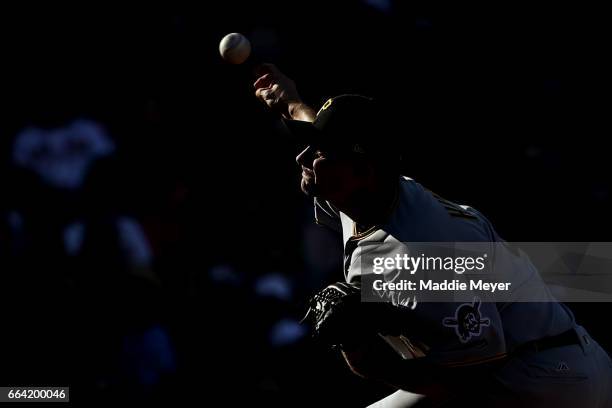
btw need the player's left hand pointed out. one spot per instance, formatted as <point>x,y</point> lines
<point>339,318</point>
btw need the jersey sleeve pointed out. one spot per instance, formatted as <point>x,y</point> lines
<point>327,215</point>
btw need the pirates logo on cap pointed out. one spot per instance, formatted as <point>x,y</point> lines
<point>325,105</point>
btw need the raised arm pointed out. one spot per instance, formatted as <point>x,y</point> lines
<point>279,93</point>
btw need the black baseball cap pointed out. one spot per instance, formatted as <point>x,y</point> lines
<point>350,123</point>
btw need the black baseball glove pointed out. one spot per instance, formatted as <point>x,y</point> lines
<point>339,318</point>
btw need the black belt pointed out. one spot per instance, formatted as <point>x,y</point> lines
<point>567,338</point>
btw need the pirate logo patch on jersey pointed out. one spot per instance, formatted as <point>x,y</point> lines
<point>468,321</point>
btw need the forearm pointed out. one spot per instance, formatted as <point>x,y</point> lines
<point>301,111</point>
<point>375,360</point>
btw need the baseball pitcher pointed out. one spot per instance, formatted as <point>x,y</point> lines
<point>475,353</point>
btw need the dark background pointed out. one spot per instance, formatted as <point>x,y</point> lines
<point>500,107</point>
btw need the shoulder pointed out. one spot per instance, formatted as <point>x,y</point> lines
<point>423,215</point>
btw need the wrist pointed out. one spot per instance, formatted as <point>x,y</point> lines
<point>298,110</point>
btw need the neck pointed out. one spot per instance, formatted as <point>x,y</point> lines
<point>372,205</point>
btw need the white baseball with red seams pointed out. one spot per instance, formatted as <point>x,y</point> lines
<point>235,48</point>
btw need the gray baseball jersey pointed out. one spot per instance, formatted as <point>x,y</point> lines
<point>421,216</point>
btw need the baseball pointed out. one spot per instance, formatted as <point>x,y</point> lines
<point>235,48</point>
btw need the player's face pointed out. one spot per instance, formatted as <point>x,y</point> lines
<point>327,175</point>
